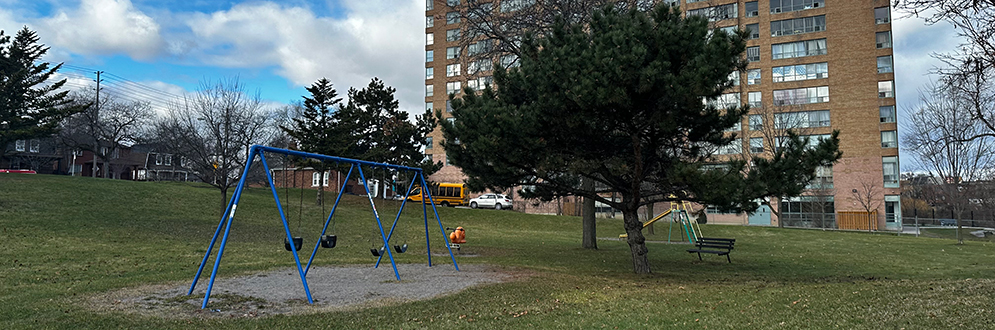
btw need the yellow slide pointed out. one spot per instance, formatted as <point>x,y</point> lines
<point>647,223</point>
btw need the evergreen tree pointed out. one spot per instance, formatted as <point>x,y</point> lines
<point>384,131</point>
<point>315,129</point>
<point>619,101</point>
<point>30,106</point>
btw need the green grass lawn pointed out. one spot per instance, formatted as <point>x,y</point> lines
<point>64,239</point>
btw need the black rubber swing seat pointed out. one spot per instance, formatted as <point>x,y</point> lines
<point>377,252</point>
<point>401,248</point>
<point>298,241</point>
<point>328,241</point>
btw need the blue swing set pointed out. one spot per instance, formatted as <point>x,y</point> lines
<point>324,240</point>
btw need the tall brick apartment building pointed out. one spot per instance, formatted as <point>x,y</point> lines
<point>814,65</point>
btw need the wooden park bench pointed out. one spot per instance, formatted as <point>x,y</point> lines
<point>719,246</point>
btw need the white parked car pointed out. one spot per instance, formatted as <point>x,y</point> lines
<point>495,201</point>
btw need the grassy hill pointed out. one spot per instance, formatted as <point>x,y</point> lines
<point>63,239</point>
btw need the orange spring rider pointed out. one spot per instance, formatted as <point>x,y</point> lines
<point>458,236</point>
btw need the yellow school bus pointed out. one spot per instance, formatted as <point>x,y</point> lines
<point>445,194</point>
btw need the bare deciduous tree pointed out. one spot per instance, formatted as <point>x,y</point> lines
<point>950,144</point>
<point>213,131</point>
<point>105,128</point>
<point>867,197</point>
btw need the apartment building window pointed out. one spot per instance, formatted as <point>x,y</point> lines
<point>802,95</point>
<point>509,61</point>
<point>452,53</point>
<point>716,13</point>
<point>453,70</point>
<point>754,99</point>
<point>514,5</point>
<point>823,178</point>
<point>428,142</point>
<point>756,145</point>
<point>886,89</point>
<point>754,30</point>
<point>725,101</point>
<point>800,72</point>
<point>882,15</point>
<point>887,114</point>
<point>734,147</point>
<point>429,21</point>
<point>753,54</point>
<point>883,39</point>
<point>429,90</point>
<point>428,106</point>
<point>813,140</point>
<point>452,35</point>
<point>802,119</point>
<point>452,3</point>
<point>480,10</point>
<point>479,66</point>
<point>429,39</point>
<point>889,139</point>
<point>693,1</point>
<point>756,122</point>
<point>753,76</point>
<point>429,56</point>
<point>890,167</point>
<point>449,106</point>
<point>452,87</point>
<point>429,4</point>
<point>729,30</point>
<point>480,83</point>
<point>784,6</point>
<point>751,9</point>
<point>429,72</point>
<point>20,145</point>
<point>734,77</point>
<point>452,17</point>
<point>885,64</point>
<point>798,49</point>
<point>479,47</point>
<point>798,26</point>
<point>428,158</point>
<point>735,128</point>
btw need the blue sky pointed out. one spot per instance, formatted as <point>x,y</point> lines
<point>279,47</point>
<point>275,48</point>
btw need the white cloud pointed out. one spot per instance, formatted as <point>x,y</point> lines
<point>376,39</point>
<point>103,27</point>
<point>914,46</point>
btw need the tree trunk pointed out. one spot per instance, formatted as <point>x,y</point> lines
<point>649,216</point>
<point>637,243</point>
<point>321,188</point>
<point>590,236</point>
<point>224,201</point>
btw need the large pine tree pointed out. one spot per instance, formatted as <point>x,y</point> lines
<point>619,100</point>
<point>30,105</point>
<point>315,129</point>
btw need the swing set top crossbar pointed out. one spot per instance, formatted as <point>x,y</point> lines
<point>331,158</point>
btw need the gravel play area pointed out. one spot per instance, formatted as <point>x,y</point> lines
<point>281,291</point>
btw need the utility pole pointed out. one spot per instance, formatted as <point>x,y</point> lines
<point>96,116</point>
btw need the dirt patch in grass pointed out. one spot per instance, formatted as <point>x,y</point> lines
<point>281,292</point>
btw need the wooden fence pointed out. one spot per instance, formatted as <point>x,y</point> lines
<point>856,220</point>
